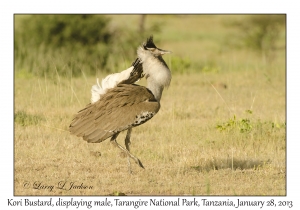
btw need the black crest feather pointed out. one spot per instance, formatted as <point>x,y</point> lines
<point>149,43</point>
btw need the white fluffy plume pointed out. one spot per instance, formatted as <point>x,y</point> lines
<point>108,82</point>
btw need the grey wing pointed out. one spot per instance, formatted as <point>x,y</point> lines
<point>121,108</point>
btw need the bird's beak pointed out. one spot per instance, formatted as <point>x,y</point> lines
<point>162,52</point>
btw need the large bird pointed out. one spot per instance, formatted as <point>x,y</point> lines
<point>120,105</point>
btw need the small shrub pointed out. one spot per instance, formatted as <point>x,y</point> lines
<point>246,125</point>
<point>243,125</point>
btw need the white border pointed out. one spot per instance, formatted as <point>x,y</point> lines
<point>8,8</point>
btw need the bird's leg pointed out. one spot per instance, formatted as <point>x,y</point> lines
<point>114,141</point>
<point>127,139</point>
<point>127,144</point>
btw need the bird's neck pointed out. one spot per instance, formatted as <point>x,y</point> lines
<point>158,77</point>
<point>155,88</point>
<point>156,71</point>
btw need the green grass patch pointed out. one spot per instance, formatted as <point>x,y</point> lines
<point>25,119</point>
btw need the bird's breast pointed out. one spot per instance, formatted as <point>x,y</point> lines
<point>143,117</point>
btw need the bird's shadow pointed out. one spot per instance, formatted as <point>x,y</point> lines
<point>234,164</point>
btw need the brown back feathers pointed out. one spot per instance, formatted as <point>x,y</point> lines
<point>122,107</point>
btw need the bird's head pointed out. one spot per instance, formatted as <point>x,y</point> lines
<point>155,68</point>
<point>155,51</point>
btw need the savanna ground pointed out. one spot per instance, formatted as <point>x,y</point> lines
<point>221,129</point>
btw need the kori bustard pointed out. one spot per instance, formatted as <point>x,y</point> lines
<point>120,105</point>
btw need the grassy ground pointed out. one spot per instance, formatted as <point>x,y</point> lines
<point>219,132</point>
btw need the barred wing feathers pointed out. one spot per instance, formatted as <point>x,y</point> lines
<point>120,108</point>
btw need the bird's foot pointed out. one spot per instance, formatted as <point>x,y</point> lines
<point>139,163</point>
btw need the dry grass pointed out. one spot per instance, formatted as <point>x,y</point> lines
<point>181,148</point>
<point>205,140</point>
